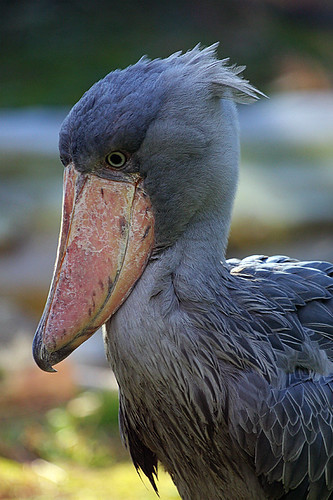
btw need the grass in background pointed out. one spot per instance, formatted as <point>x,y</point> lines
<point>72,451</point>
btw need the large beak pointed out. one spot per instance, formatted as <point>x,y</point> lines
<point>107,234</point>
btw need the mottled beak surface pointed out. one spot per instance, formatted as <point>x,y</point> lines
<point>106,238</point>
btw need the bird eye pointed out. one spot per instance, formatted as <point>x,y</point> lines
<point>116,159</point>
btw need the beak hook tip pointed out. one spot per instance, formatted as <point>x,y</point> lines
<point>42,356</point>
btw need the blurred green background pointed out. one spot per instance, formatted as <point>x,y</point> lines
<point>58,433</point>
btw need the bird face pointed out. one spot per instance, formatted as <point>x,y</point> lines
<point>133,148</point>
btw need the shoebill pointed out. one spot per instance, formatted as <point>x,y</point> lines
<point>224,366</point>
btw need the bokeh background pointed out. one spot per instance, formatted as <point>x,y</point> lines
<point>58,432</point>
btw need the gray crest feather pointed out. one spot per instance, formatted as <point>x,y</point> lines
<point>220,76</point>
<point>224,80</point>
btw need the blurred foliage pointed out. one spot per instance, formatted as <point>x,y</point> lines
<point>44,481</point>
<point>71,451</point>
<point>84,430</point>
<point>52,51</point>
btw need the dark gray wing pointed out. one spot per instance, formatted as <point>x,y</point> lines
<point>287,433</point>
<point>299,292</point>
<point>287,430</point>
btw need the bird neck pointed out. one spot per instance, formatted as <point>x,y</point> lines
<point>203,243</point>
<point>194,263</point>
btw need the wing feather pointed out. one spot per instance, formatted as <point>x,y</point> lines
<point>294,305</point>
<point>291,440</point>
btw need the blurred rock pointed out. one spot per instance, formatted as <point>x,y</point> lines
<point>286,194</point>
<point>31,129</point>
<point>27,271</point>
<point>28,204</point>
<point>299,118</point>
<point>15,215</point>
<point>32,389</point>
<point>16,329</point>
<point>23,384</point>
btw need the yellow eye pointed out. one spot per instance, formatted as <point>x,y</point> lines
<point>116,159</point>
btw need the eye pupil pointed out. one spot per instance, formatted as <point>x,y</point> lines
<point>116,159</point>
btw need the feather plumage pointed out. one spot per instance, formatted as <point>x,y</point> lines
<point>224,367</point>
